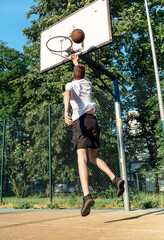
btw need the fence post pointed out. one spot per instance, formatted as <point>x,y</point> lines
<point>121,149</point>
<point>137,180</point>
<point>2,162</point>
<point>50,157</point>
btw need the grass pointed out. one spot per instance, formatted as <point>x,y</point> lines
<point>147,200</point>
<point>71,201</point>
<point>138,201</point>
<point>32,202</point>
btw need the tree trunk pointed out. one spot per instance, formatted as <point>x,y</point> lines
<point>15,186</point>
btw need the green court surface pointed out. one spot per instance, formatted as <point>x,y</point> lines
<point>67,224</point>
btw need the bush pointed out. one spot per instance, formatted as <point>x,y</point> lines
<point>107,193</point>
<point>24,205</point>
<point>53,205</point>
<point>72,199</point>
<point>145,200</point>
<point>20,189</point>
<point>147,204</point>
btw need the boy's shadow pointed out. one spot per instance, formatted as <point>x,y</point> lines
<point>161,211</point>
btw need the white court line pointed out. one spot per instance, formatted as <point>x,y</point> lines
<point>78,227</point>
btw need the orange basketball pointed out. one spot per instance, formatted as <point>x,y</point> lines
<point>77,36</point>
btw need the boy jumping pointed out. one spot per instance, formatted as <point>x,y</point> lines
<point>86,131</point>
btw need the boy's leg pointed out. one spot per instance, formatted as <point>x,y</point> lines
<point>100,163</point>
<point>83,170</point>
<point>117,182</point>
<point>88,202</point>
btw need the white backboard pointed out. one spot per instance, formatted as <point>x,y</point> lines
<point>94,19</point>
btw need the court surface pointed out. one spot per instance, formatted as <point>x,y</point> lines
<point>67,224</point>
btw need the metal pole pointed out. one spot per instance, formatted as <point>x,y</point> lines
<point>2,162</point>
<point>50,158</point>
<point>159,93</point>
<point>121,148</point>
<point>137,180</point>
<point>96,66</point>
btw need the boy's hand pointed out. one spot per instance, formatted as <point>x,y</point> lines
<point>74,59</point>
<point>68,119</point>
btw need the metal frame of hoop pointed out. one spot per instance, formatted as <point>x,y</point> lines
<point>69,50</point>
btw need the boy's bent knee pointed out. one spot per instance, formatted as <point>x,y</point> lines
<point>93,159</point>
<point>93,156</point>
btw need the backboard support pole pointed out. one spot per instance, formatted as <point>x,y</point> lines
<point>99,70</point>
<point>121,147</point>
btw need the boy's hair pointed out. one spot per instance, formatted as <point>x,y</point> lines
<point>79,72</point>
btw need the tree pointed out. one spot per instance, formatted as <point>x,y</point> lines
<point>12,65</point>
<point>17,156</point>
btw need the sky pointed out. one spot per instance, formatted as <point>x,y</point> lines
<point>13,21</point>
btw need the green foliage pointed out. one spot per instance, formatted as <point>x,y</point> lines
<point>148,204</point>
<point>52,205</point>
<point>12,65</point>
<point>18,152</point>
<point>119,202</point>
<point>140,201</point>
<point>73,199</point>
<point>23,205</point>
<point>146,200</point>
<point>107,193</point>
<point>21,190</point>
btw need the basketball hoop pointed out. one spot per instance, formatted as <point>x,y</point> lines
<point>60,44</point>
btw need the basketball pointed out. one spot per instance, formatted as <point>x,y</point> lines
<point>77,36</point>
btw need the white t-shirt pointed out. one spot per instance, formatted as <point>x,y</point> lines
<point>81,97</point>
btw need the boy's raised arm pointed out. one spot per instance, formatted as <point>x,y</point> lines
<point>74,59</point>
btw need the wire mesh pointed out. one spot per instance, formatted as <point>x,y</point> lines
<point>26,167</point>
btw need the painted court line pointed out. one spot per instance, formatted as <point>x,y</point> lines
<point>78,227</point>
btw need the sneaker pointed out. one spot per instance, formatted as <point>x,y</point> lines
<point>119,185</point>
<point>88,202</point>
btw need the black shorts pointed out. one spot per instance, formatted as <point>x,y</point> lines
<point>86,132</point>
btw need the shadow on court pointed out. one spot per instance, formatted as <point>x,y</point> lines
<point>138,216</point>
<point>37,222</point>
<point>69,225</point>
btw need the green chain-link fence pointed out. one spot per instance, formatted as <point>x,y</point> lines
<point>26,165</point>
